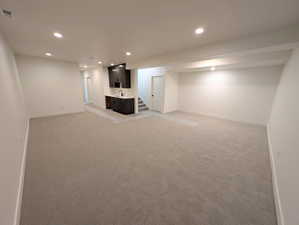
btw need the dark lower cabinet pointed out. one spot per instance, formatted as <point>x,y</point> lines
<point>126,106</point>
<point>120,105</point>
<point>108,102</point>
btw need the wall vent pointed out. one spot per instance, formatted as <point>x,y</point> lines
<point>6,13</point>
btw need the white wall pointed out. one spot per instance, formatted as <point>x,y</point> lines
<point>51,87</point>
<point>171,90</point>
<point>134,85</point>
<point>13,132</point>
<point>96,83</point>
<point>144,86</point>
<point>283,131</point>
<point>145,83</point>
<point>244,95</point>
<point>85,86</point>
<point>97,79</point>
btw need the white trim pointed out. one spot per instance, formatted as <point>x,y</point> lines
<point>215,116</point>
<point>279,213</point>
<point>59,113</point>
<point>21,180</point>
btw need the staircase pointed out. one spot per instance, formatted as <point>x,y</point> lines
<point>141,105</point>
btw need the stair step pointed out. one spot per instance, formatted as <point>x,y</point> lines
<point>143,109</point>
<point>141,105</point>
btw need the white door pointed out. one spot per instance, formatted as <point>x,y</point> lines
<point>87,89</point>
<point>157,85</point>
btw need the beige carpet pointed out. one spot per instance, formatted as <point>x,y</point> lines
<point>175,169</point>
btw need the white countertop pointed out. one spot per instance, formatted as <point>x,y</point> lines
<point>118,96</point>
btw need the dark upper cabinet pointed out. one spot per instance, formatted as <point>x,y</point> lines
<point>111,81</point>
<point>119,76</point>
<point>114,77</point>
<point>126,79</point>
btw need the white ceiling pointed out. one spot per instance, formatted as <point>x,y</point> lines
<point>233,62</point>
<point>105,29</point>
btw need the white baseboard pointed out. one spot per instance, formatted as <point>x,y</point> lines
<point>279,213</point>
<point>21,180</point>
<point>224,118</point>
<point>57,114</point>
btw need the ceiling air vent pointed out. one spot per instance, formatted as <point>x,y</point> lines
<point>6,13</point>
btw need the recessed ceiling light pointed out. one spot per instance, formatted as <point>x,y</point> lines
<point>99,62</point>
<point>112,64</point>
<point>199,30</point>
<point>58,35</point>
<point>85,66</point>
<point>212,68</point>
<point>128,53</point>
<point>48,54</point>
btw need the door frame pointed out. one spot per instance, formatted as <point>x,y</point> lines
<point>162,92</point>
<point>86,79</point>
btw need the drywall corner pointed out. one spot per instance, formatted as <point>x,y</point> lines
<point>22,176</point>
<point>279,213</point>
<point>171,89</point>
